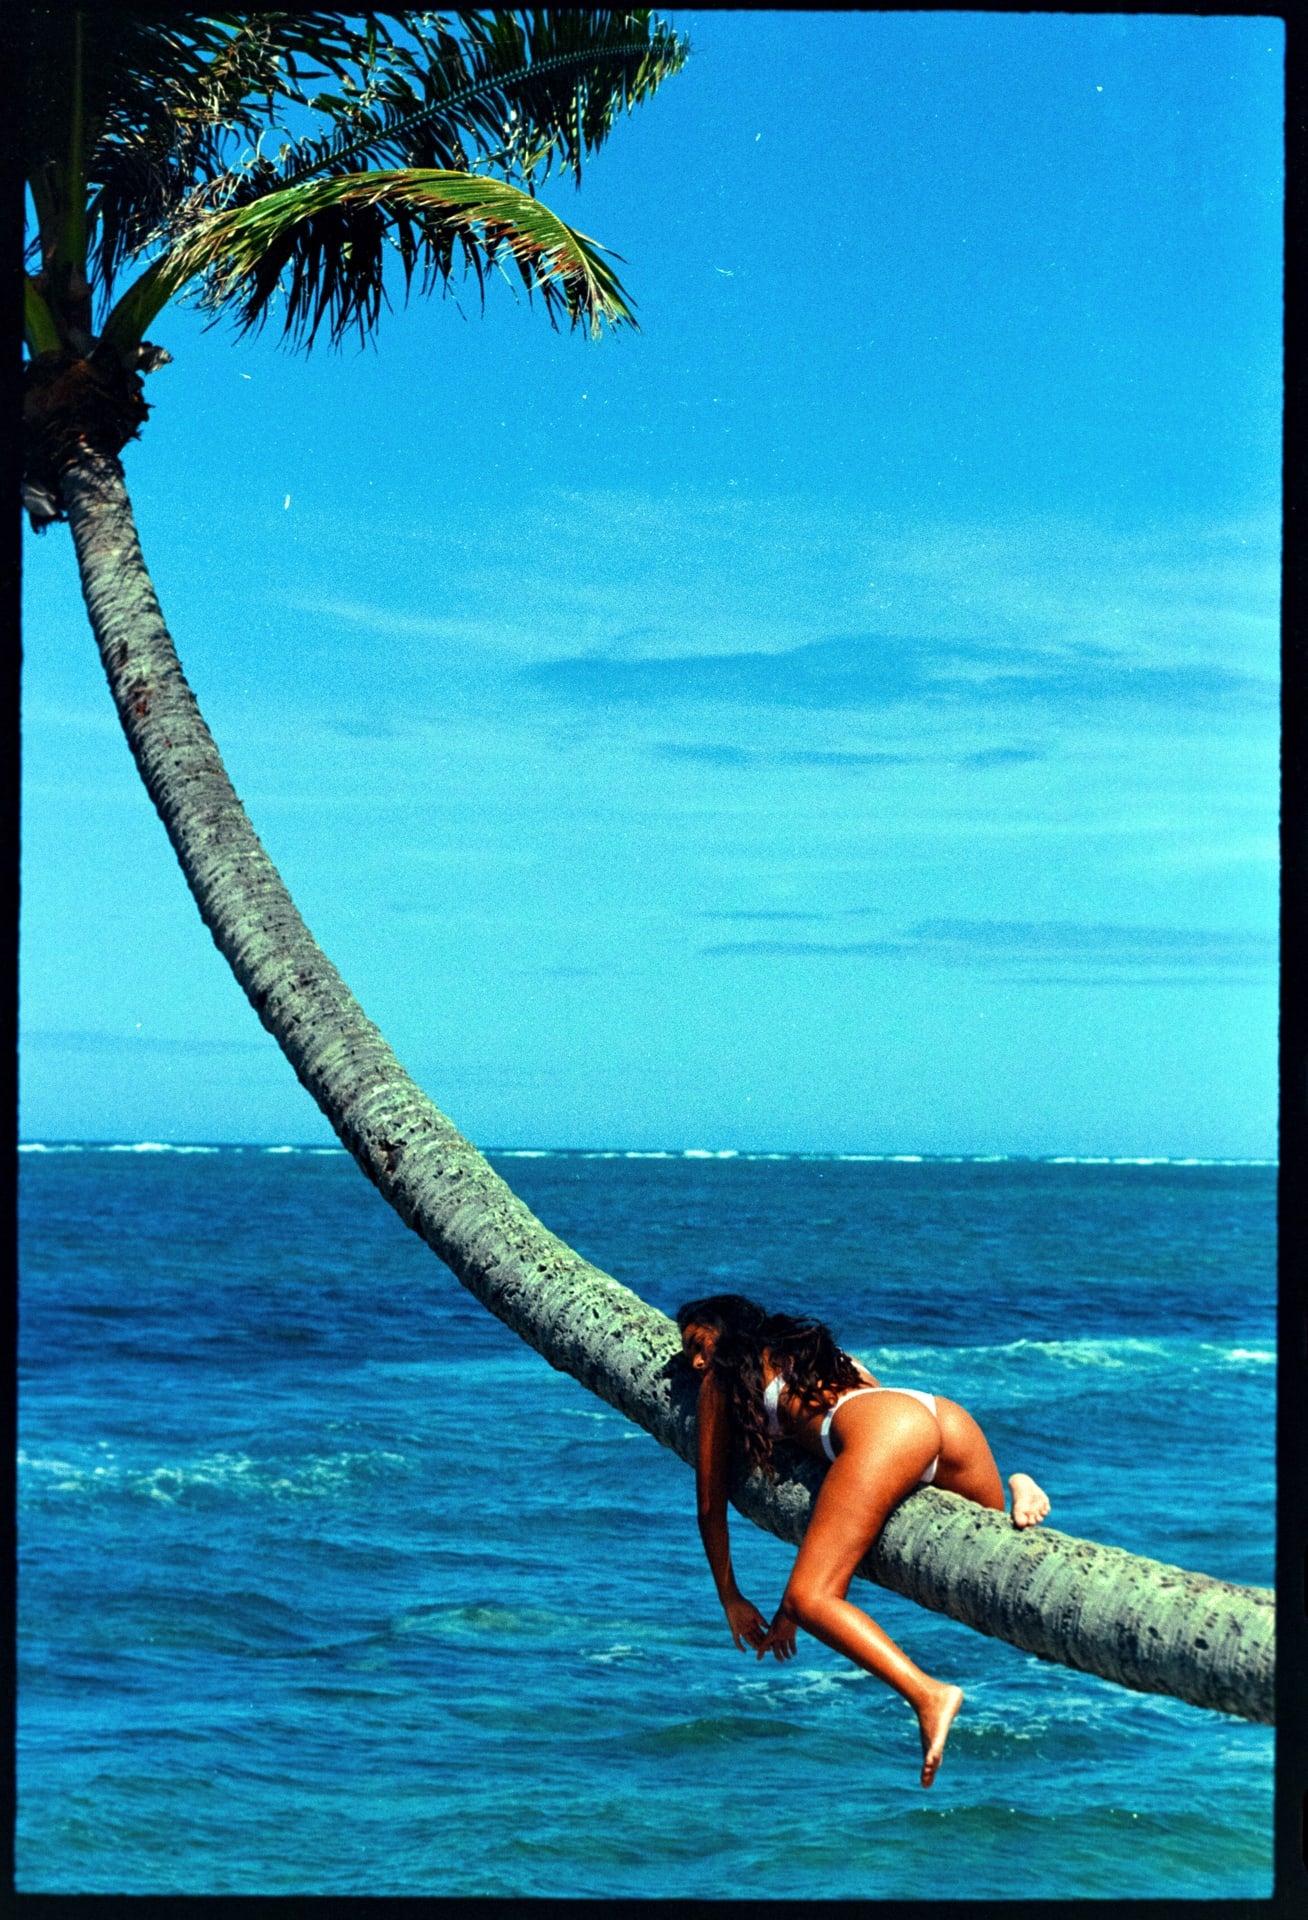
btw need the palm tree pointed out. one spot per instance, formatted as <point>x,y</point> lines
<point>135,130</point>
<point>133,123</point>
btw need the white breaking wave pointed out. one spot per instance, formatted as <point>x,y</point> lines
<point>681,1153</point>
<point>1126,1351</point>
<point>315,1477</point>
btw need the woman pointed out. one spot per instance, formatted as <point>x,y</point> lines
<point>770,1376</point>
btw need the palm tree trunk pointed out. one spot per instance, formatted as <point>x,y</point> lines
<point>1134,1621</point>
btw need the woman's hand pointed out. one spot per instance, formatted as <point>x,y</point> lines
<point>748,1627</point>
<point>780,1636</point>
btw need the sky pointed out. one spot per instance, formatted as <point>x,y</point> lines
<point>841,716</point>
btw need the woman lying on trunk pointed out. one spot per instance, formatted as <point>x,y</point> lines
<point>768,1377</point>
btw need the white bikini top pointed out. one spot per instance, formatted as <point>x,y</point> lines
<point>772,1404</point>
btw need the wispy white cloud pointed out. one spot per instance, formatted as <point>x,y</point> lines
<point>92,1040</point>
<point>726,572</point>
<point>878,670</point>
<point>722,754</point>
<point>786,913</point>
<point>1081,949</point>
<point>1002,757</point>
<point>626,574</point>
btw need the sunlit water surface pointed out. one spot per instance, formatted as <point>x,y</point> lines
<point>329,1585</point>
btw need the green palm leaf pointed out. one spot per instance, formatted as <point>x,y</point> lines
<point>524,88</point>
<point>156,98</point>
<point>164,99</point>
<point>325,245</point>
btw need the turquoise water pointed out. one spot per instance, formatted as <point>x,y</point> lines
<point>329,1585</point>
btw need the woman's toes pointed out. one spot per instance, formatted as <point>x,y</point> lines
<point>1030,1502</point>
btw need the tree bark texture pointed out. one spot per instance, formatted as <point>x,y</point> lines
<point>1099,1609</point>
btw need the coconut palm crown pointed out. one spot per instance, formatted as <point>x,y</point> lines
<point>273,166</point>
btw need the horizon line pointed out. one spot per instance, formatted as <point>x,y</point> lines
<point>68,1144</point>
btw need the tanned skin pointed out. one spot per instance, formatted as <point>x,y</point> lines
<point>883,1444</point>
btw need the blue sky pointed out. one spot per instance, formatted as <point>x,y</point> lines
<point>840,716</point>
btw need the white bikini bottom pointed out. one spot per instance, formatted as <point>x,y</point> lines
<point>928,1401</point>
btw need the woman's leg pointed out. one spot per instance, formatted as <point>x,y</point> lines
<point>887,1441</point>
<point>967,1466</point>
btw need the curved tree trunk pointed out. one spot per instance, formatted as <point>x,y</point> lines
<point>1131,1620</point>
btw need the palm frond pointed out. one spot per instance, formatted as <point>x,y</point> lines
<point>517,90</point>
<point>39,329</point>
<point>166,97</point>
<point>246,68</point>
<point>176,106</point>
<point>148,160</point>
<point>325,245</point>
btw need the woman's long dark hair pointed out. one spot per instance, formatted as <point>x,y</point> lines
<point>803,1351</point>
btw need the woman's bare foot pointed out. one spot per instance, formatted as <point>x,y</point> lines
<point>1030,1502</point>
<point>934,1722</point>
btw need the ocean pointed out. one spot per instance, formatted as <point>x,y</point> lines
<point>328,1585</point>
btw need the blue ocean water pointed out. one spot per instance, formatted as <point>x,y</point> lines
<point>329,1585</point>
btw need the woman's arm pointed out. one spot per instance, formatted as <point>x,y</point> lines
<point>713,1435</point>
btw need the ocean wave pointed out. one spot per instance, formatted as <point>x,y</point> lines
<point>719,1730</point>
<point>679,1153</point>
<point>1018,1371</point>
<point>208,1477</point>
<point>483,1619</point>
<point>120,1146</point>
<point>802,1684</point>
<point>1142,1160</point>
<point>1117,1351</point>
<point>161,1146</point>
